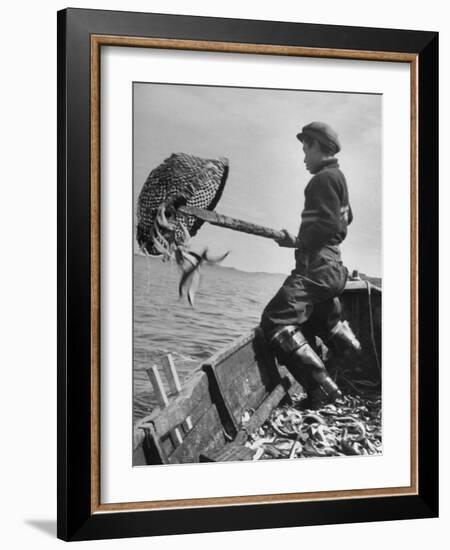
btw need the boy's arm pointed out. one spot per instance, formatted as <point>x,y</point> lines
<point>288,240</point>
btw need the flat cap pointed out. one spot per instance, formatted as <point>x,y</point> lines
<point>323,133</point>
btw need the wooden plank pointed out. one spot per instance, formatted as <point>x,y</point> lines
<point>359,285</point>
<point>244,374</point>
<point>266,358</point>
<point>267,406</point>
<point>206,437</point>
<point>237,344</point>
<point>171,374</point>
<point>230,453</point>
<point>161,395</point>
<point>149,450</point>
<point>139,458</point>
<point>158,388</point>
<point>173,381</point>
<point>193,401</point>
<point>154,452</point>
<point>355,302</point>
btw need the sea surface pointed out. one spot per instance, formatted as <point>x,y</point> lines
<point>228,303</point>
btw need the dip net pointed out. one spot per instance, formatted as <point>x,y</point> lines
<point>181,179</point>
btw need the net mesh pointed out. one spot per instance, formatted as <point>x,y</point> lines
<point>180,179</point>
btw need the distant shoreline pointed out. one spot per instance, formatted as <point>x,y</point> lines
<point>372,279</point>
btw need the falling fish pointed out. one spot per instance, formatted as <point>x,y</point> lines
<point>198,181</point>
<point>190,263</point>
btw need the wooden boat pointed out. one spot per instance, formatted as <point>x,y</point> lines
<point>235,391</point>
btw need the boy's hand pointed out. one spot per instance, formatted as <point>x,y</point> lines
<point>287,240</point>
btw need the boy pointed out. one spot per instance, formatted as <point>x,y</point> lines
<point>307,304</point>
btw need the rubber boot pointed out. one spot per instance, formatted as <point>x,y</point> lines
<point>342,340</point>
<point>315,395</point>
<point>306,359</point>
<point>293,350</point>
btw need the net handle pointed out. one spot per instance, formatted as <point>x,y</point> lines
<point>228,222</point>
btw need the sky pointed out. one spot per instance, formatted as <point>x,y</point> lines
<point>256,130</point>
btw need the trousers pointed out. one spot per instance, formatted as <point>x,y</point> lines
<point>309,296</point>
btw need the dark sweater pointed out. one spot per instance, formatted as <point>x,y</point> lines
<point>327,211</point>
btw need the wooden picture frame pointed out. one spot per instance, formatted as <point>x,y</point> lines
<point>81,35</point>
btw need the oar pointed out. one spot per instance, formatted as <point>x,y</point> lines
<point>215,218</point>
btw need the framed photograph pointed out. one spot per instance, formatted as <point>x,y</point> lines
<point>247,255</point>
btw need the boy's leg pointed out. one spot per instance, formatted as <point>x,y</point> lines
<point>281,322</point>
<point>335,333</point>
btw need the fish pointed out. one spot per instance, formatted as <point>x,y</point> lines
<point>190,278</point>
<point>162,221</point>
<point>171,240</point>
<point>181,177</point>
<point>353,428</point>
<point>190,263</point>
<point>296,448</point>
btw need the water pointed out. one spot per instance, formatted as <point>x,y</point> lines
<point>228,304</point>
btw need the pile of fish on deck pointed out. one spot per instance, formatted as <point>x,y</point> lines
<point>350,426</point>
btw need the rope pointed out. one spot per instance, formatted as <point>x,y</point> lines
<point>372,331</point>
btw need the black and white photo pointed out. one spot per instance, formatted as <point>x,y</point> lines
<point>257,273</point>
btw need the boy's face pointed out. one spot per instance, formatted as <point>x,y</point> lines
<point>313,156</point>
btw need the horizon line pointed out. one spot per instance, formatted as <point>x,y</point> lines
<point>138,253</point>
